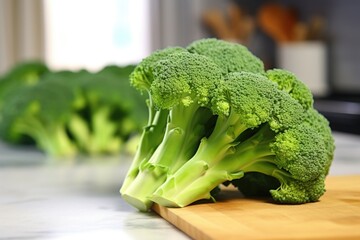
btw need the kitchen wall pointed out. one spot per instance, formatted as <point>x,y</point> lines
<point>179,23</point>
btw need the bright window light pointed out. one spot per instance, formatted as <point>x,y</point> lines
<point>92,34</point>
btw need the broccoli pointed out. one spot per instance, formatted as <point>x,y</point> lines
<point>25,73</point>
<point>109,114</point>
<point>226,155</point>
<point>228,121</point>
<point>22,74</point>
<point>289,83</point>
<point>143,77</point>
<point>95,112</point>
<point>180,86</point>
<point>40,112</point>
<point>230,57</point>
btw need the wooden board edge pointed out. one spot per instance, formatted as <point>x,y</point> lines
<point>174,219</point>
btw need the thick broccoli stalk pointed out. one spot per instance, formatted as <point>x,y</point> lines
<point>153,133</point>
<point>296,158</point>
<point>265,116</point>
<point>180,85</point>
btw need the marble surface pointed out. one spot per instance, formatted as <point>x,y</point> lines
<point>42,198</point>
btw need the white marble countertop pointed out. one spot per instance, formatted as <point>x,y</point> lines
<point>45,199</point>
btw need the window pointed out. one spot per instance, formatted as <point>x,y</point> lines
<point>92,34</point>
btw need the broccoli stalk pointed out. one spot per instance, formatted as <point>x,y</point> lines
<point>149,140</point>
<point>141,79</point>
<point>182,136</point>
<point>104,137</point>
<point>51,137</point>
<point>185,97</point>
<point>266,152</point>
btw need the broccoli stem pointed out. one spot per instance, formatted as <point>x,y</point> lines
<point>53,140</point>
<point>185,128</point>
<point>103,136</point>
<point>209,168</point>
<point>137,191</point>
<point>149,141</point>
<point>61,145</point>
<point>151,137</point>
<point>79,130</point>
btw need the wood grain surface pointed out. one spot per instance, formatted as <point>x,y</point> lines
<point>335,216</point>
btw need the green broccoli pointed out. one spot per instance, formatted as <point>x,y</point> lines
<point>143,77</point>
<point>22,74</point>
<point>180,86</point>
<point>225,155</point>
<point>230,57</point>
<point>25,73</point>
<point>40,112</point>
<point>106,110</point>
<point>288,82</point>
<point>111,113</point>
<point>96,112</point>
<point>228,121</point>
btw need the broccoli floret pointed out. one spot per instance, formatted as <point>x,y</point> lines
<point>288,82</point>
<point>141,78</point>
<point>229,120</point>
<point>230,57</point>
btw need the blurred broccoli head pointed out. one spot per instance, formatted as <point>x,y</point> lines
<point>22,74</point>
<point>40,112</point>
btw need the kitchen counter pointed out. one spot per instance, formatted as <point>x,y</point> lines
<point>44,198</point>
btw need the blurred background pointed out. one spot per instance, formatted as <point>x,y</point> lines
<point>317,40</point>
<point>102,41</point>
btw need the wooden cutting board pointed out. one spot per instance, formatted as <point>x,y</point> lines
<point>335,216</point>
